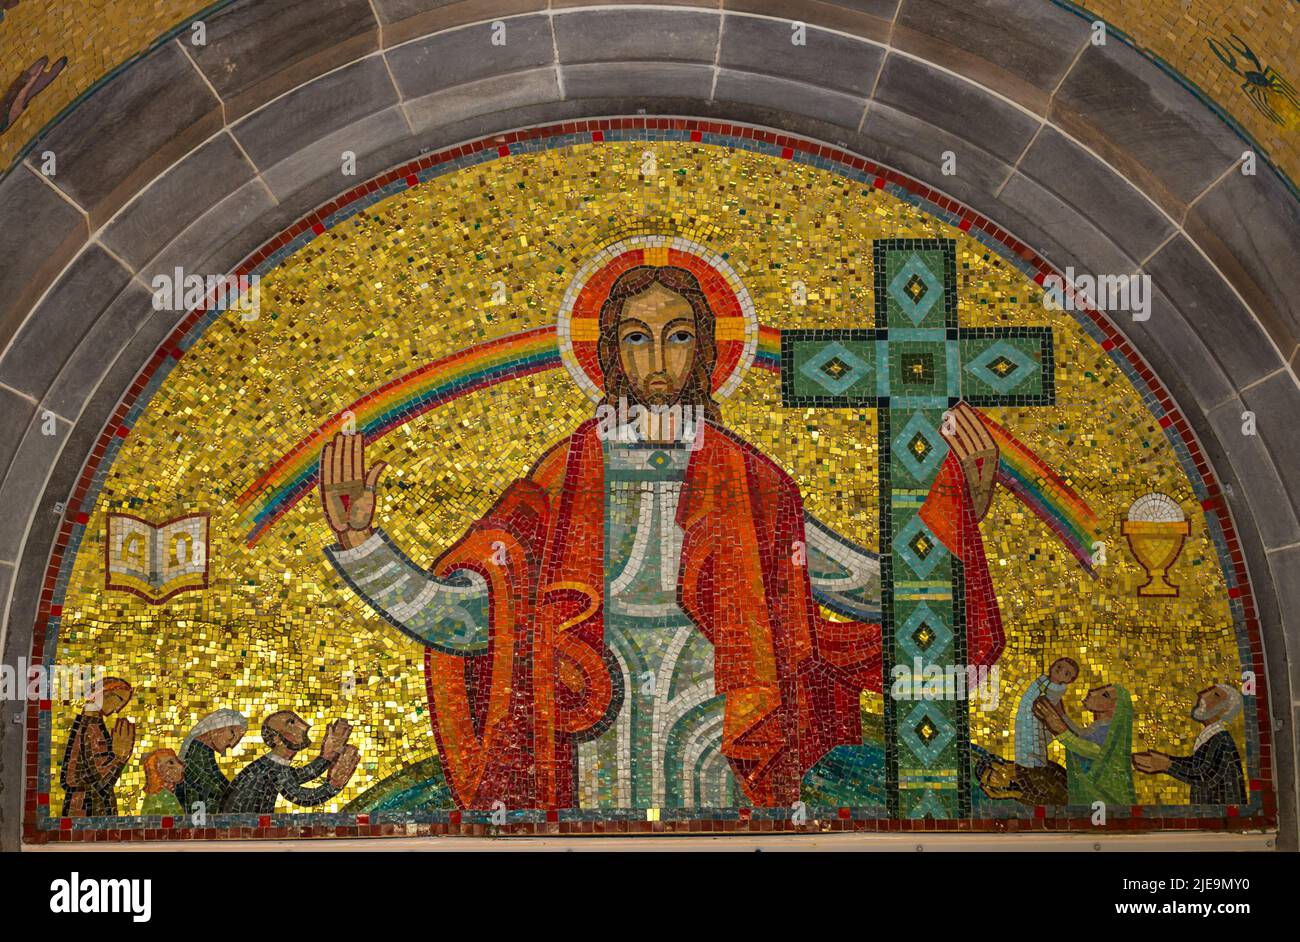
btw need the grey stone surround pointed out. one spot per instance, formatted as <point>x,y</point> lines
<point>1090,155</point>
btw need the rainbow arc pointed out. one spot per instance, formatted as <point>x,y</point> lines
<point>279,488</point>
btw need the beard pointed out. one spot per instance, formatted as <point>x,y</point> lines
<point>662,399</point>
<point>1200,713</point>
<point>298,746</point>
<point>663,395</point>
<point>624,389</point>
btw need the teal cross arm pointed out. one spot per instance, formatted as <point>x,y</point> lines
<point>911,362</point>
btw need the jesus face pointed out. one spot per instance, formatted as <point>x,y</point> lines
<point>656,344</point>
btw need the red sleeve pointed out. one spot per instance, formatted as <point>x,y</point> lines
<point>480,703</point>
<point>949,514</point>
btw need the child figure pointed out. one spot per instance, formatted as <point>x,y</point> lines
<point>1033,779</point>
<point>1032,735</point>
<point>163,771</point>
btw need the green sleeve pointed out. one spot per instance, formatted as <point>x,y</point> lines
<point>845,577</point>
<point>1080,746</point>
<point>449,615</point>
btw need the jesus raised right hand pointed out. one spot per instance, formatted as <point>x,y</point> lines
<point>347,489</point>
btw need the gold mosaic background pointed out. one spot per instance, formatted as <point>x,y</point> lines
<point>411,280</point>
<point>98,35</point>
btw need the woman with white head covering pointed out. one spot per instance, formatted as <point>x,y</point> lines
<point>217,732</point>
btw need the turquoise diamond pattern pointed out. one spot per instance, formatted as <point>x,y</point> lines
<point>920,359</point>
<point>916,310</point>
<point>923,618</point>
<point>920,466</point>
<point>924,717</point>
<point>854,368</point>
<point>907,545</point>
<point>1018,367</point>
<point>930,807</point>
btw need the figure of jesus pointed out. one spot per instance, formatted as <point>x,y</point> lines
<point>641,621</point>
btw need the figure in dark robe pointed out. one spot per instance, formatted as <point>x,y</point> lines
<point>205,786</point>
<point>94,758</point>
<point>274,775</point>
<point>1213,770</point>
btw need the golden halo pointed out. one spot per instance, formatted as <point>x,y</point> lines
<point>578,323</point>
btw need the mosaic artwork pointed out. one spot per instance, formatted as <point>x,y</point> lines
<point>647,478</point>
<point>1262,83</point>
<point>52,55</point>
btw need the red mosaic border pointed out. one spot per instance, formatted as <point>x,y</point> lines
<point>596,128</point>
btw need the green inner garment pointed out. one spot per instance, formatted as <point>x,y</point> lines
<point>662,749</point>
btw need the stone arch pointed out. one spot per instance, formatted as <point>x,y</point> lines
<point>1089,155</point>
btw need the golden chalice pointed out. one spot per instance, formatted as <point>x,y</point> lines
<point>1156,530</point>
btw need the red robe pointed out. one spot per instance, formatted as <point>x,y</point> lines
<point>507,721</point>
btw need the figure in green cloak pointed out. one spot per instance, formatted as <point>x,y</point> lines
<point>1098,757</point>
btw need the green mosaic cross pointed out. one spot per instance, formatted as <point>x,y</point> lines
<point>912,365</point>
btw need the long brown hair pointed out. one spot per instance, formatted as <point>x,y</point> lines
<point>153,778</point>
<point>698,390</point>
